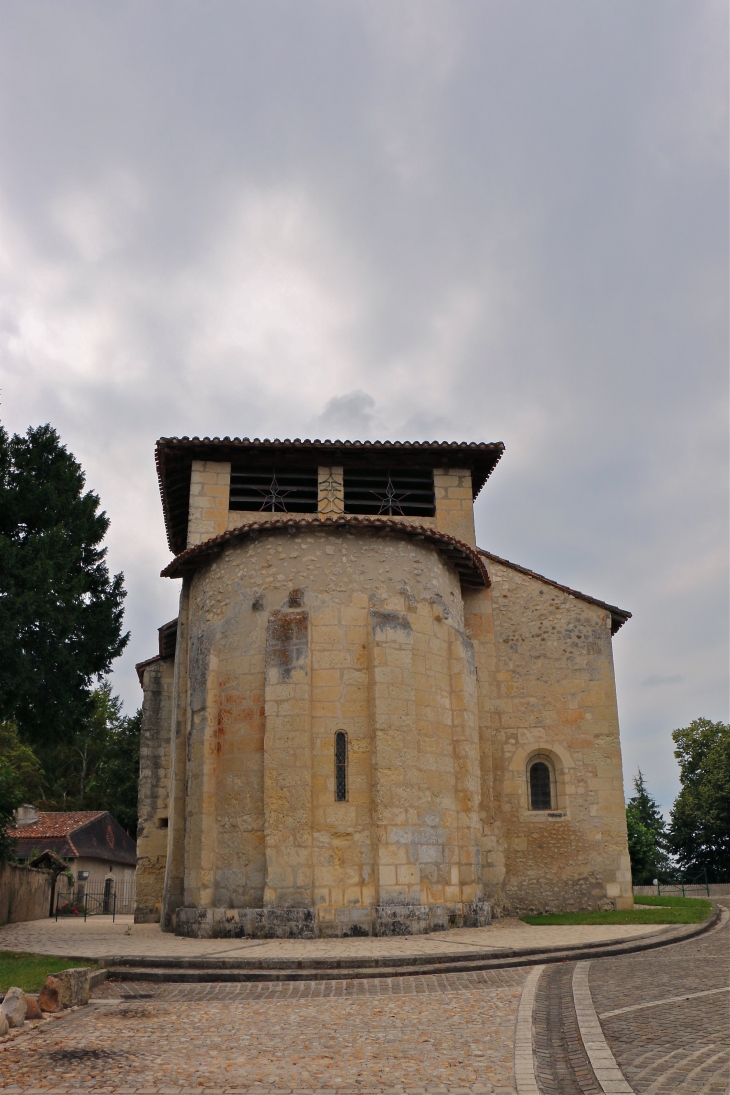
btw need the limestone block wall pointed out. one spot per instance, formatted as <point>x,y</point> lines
<point>173,896</point>
<point>549,688</point>
<point>294,637</point>
<point>153,801</point>
<point>454,503</point>
<point>210,487</point>
<point>331,491</point>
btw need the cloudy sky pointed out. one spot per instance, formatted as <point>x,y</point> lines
<point>492,220</point>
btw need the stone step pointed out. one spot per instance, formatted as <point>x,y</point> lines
<point>385,963</point>
<point>359,962</point>
<point>196,972</point>
<point>211,974</point>
<point>200,969</point>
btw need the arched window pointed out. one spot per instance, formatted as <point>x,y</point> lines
<point>540,794</point>
<point>340,766</point>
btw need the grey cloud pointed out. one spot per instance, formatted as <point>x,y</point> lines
<point>657,679</point>
<point>348,416</point>
<point>424,219</point>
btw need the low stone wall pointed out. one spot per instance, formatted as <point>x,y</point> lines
<point>294,923</point>
<point>25,893</point>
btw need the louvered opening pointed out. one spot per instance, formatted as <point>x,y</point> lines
<point>389,492</point>
<point>274,490</point>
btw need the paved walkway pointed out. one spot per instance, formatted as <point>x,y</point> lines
<point>100,938</point>
<point>651,1023</point>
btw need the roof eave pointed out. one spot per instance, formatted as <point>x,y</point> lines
<point>465,559</point>
<point>484,453</point>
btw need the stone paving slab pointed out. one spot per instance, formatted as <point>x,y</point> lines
<point>100,938</point>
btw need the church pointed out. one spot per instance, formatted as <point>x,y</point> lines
<point>361,723</point>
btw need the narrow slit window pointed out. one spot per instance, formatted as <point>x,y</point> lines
<point>540,795</point>
<point>340,766</point>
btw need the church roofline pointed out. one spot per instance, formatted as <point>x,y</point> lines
<point>141,666</point>
<point>619,616</point>
<point>174,457</point>
<point>465,559</point>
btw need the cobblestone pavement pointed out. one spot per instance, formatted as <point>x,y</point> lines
<point>681,1047</point>
<point>98,937</point>
<point>450,1034</point>
<point>444,1033</point>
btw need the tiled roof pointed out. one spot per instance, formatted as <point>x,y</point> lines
<point>55,824</point>
<point>174,457</point>
<point>619,616</point>
<point>462,557</point>
<point>71,834</point>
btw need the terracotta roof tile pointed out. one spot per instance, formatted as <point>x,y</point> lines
<point>55,824</point>
<point>174,457</point>
<point>471,570</point>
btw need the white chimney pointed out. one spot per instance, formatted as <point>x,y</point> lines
<point>25,815</point>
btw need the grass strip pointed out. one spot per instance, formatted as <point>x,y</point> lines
<point>28,971</point>
<point>647,910</point>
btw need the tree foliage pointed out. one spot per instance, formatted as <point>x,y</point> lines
<point>95,768</point>
<point>699,832</point>
<point>11,797</point>
<point>647,837</point>
<point>28,778</point>
<point>60,612</point>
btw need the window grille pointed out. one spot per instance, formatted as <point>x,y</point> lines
<point>340,766</point>
<point>403,492</point>
<point>540,795</point>
<point>274,490</point>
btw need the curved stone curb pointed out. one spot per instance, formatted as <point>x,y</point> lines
<point>525,1079</point>
<point>191,970</point>
<point>605,1066</point>
<point>372,965</point>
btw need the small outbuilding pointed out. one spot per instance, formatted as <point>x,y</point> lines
<point>92,843</point>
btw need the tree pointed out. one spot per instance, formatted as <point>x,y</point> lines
<point>60,612</point>
<point>117,780</point>
<point>11,797</point>
<point>28,778</point>
<point>97,766</point>
<point>699,832</point>
<point>646,832</point>
<point>642,849</point>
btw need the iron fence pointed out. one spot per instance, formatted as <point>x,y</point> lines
<point>107,898</point>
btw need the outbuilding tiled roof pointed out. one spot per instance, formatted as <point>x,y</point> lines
<point>55,824</point>
<point>93,834</point>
